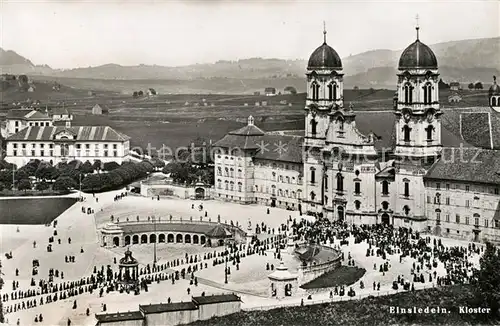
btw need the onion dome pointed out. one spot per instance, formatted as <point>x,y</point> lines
<point>417,56</point>
<point>494,89</point>
<point>324,57</point>
<point>128,260</point>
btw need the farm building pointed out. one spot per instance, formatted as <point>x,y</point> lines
<point>270,91</point>
<point>455,86</point>
<point>151,92</point>
<point>99,109</point>
<point>454,98</point>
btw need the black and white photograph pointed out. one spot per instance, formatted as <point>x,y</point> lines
<point>249,163</point>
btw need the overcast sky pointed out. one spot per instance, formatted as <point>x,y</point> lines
<point>69,34</point>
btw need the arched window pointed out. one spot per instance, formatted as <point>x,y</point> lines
<point>293,194</point>
<point>287,179</point>
<point>273,190</point>
<point>239,173</point>
<point>325,181</point>
<point>357,188</point>
<point>219,171</point>
<point>408,96</point>
<point>385,187</point>
<point>231,185</point>
<point>340,122</point>
<point>428,93</point>
<point>385,205</point>
<point>315,91</point>
<point>332,92</point>
<point>429,131</point>
<point>313,175</point>
<point>219,184</point>
<point>340,182</point>
<point>231,174</point>
<point>313,126</point>
<point>273,176</point>
<point>406,210</point>
<point>406,187</point>
<point>406,133</point>
<point>239,186</point>
<point>313,195</point>
<point>493,101</point>
<point>357,204</point>
<point>226,172</point>
<point>227,185</point>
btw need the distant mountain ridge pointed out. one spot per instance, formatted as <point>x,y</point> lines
<point>465,61</point>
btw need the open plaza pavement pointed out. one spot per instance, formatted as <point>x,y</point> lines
<point>250,281</point>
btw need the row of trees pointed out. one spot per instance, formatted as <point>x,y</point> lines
<point>41,175</point>
<point>123,175</point>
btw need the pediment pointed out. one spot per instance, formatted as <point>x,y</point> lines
<point>65,134</point>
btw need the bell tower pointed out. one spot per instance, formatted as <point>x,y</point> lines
<point>324,94</point>
<point>418,122</point>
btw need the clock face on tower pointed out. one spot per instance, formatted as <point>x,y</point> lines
<point>430,117</point>
<point>406,116</point>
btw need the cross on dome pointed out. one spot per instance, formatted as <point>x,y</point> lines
<point>418,26</point>
<point>324,32</point>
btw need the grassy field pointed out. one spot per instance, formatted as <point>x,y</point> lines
<point>33,210</point>
<point>370,311</point>
<point>344,275</point>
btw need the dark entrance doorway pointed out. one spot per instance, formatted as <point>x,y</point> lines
<point>340,213</point>
<point>386,219</point>
<point>273,202</point>
<point>199,193</point>
<point>116,241</point>
<point>476,236</point>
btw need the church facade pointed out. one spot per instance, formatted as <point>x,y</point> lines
<point>410,173</point>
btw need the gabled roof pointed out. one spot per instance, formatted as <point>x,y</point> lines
<point>27,114</point>
<point>248,130</point>
<point>102,106</point>
<point>218,231</point>
<point>166,307</point>
<point>119,316</point>
<point>218,298</point>
<point>83,133</point>
<point>473,165</point>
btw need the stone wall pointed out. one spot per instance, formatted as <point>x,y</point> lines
<point>310,272</point>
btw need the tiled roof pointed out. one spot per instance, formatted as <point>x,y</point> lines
<point>475,127</point>
<point>248,130</point>
<point>60,111</point>
<point>83,133</point>
<point>220,298</point>
<point>167,227</point>
<point>467,164</point>
<point>166,307</point>
<point>37,115</point>
<point>119,316</point>
<point>217,231</point>
<point>27,114</point>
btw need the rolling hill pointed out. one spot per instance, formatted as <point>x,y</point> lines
<point>464,61</point>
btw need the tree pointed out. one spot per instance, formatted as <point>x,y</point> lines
<point>135,94</point>
<point>152,91</point>
<point>92,182</point>
<point>478,85</point>
<point>24,184</point>
<point>157,163</point>
<point>64,183</point>
<point>2,186</point>
<point>140,93</point>
<point>86,167</point>
<point>110,166</point>
<point>97,165</point>
<point>46,172</point>
<point>488,279</point>
<point>471,86</point>
<point>290,89</point>
<point>21,174</point>
<point>41,186</point>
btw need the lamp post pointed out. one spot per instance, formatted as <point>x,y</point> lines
<point>225,260</point>
<point>80,193</point>
<point>154,243</point>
